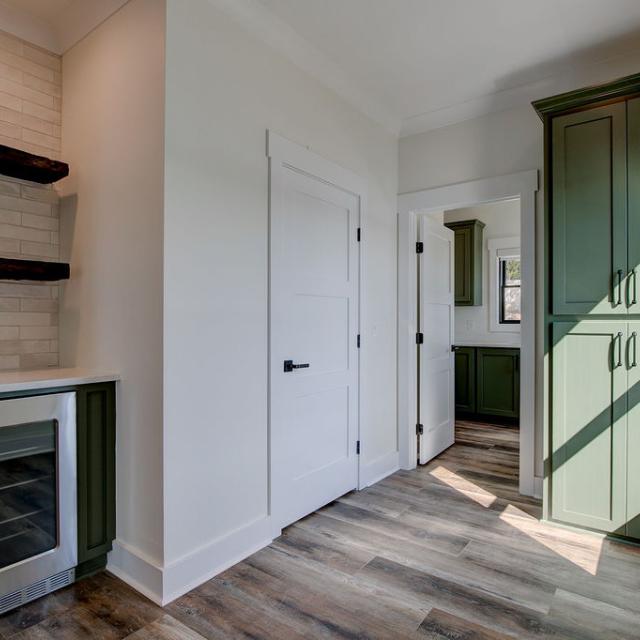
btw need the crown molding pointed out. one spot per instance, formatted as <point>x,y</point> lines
<point>569,79</point>
<point>278,35</point>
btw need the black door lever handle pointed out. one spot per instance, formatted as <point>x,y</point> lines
<point>289,366</point>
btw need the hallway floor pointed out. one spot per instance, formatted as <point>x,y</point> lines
<point>448,551</point>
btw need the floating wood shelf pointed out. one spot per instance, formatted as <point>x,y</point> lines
<point>27,166</point>
<point>13,269</point>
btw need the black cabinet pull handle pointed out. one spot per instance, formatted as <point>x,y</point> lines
<point>289,366</point>
<point>619,273</point>
<point>634,277</point>
<point>618,337</point>
<point>634,337</point>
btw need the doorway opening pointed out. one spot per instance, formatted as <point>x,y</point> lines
<point>486,320</point>
<point>469,307</point>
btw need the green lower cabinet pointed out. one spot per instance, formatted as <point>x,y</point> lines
<point>96,426</point>
<point>633,432</point>
<point>465,363</point>
<point>589,424</point>
<point>487,383</point>
<point>498,373</point>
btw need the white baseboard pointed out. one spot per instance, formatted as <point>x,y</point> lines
<point>379,468</point>
<point>202,564</point>
<point>137,569</point>
<point>162,585</point>
<point>537,487</point>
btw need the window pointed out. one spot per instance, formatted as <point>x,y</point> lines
<point>504,284</point>
<point>509,273</point>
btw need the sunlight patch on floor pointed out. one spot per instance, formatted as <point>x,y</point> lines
<point>585,557</point>
<point>457,482</point>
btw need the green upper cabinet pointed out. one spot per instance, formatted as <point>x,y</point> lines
<point>588,443</point>
<point>633,173</point>
<point>589,203</point>
<point>468,262</point>
<point>498,372</point>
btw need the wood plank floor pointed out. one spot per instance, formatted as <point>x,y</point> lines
<point>449,551</point>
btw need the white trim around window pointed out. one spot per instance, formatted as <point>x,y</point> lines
<point>500,248</point>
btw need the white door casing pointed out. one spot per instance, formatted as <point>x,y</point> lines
<point>314,320</point>
<point>533,364</point>
<point>437,380</point>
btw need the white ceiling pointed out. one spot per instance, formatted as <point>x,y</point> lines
<point>44,10</point>
<point>412,65</point>
<point>55,25</point>
<point>427,62</point>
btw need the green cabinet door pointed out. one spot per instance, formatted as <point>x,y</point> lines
<point>467,262</point>
<point>465,363</point>
<point>633,432</point>
<point>96,425</point>
<point>498,385</point>
<point>589,211</point>
<point>588,438</point>
<point>633,174</point>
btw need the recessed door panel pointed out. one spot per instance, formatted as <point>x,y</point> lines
<point>322,230</point>
<point>465,366</point>
<point>588,457</point>
<point>633,236</point>
<point>498,382</point>
<point>589,232</point>
<point>633,432</point>
<point>324,318</point>
<point>321,434</point>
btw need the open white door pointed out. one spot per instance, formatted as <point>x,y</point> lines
<point>436,361</point>
<point>314,281</point>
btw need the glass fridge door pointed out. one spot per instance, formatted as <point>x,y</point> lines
<point>28,482</point>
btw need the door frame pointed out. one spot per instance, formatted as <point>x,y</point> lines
<point>522,185</point>
<point>285,155</point>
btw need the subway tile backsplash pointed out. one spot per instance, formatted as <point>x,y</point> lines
<point>30,115</point>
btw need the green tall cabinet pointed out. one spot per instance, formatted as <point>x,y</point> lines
<point>592,307</point>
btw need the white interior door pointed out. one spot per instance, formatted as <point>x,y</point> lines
<point>314,326</point>
<point>436,361</point>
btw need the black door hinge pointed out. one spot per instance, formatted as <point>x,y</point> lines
<point>358,448</point>
<point>358,341</point>
<point>359,234</point>
<point>419,247</point>
<point>419,338</point>
<point>419,429</point>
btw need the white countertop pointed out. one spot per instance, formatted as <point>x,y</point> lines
<point>481,343</point>
<point>45,378</point>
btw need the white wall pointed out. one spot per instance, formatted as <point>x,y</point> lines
<point>112,213</point>
<point>472,324</point>
<point>493,145</point>
<point>224,90</point>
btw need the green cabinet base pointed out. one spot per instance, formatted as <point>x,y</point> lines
<point>90,567</point>
<point>488,384</point>
<point>96,442</point>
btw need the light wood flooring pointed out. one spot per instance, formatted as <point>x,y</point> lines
<point>449,552</point>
